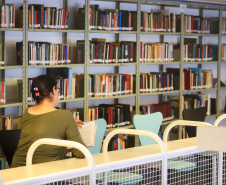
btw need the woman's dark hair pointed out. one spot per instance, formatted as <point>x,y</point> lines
<point>42,86</point>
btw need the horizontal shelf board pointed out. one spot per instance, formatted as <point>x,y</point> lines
<point>54,30</point>
<point>72,100</point>
<point>159,33</point>
<point>55,66</point>
<point>11,104</point>
<point>159,3</point>
<point>212,62</point>
<point>201,34</point>
<point>62,101</point>
<point>118,64</point>
<point>211,116</point>
<point>127,1</point>
<point>223,87</point>
<point>156,93</point>
<point>127,126</point>
<point>111,97</point>
<point>11,67</point>
<point>159,63</point>
<point>120,32</point>
<point>11,29</point>
<point>199,90</point>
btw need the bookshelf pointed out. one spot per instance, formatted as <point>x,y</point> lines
<point>71,35</point>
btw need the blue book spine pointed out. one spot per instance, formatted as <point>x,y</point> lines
<point>120,20</point>
<point>106,19</point>
<point>44,19</point>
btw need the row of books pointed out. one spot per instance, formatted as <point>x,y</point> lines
<point>75,114</point>
<point>110,19</point>
<point>45,53</point>
<point>193,101</point>
<point>7,15</point>
<point>164,108</point>
<point>3,86</point>
<point>40,17</point>
<point>196,24</point>
<point>158,21</point>
<point>156,52</point>
<point>194,78</point>
<point>156,81</point>
<point>112,52</point>
<point>116,115</point>
<point>117,143</point>
<point>111,85</point>
<point>6,123</point>
<point>200,52</point>
<point>190,101</point>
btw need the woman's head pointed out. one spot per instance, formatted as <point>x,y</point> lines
<point>43,87</point>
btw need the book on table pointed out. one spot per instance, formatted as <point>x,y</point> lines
<point>88,133</point>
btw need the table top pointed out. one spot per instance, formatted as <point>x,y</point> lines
<point>99,159</point>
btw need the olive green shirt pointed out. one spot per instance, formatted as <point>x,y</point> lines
<point>58,124</point>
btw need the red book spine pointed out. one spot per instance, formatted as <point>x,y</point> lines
<point>36,18</point>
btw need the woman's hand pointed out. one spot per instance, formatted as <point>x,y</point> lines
<point>79,123</point>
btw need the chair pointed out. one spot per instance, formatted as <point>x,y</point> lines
<point>200,159</point>
<point>150,122</point>
<point>125,177</point>
<point>216,124</point>
<point>8,142</point>
<point>198,114</point>
<point>100,131</point>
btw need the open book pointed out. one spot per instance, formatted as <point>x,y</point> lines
<point>88,133</point>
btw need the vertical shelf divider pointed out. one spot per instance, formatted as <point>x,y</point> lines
<point>86,67</point>
<point>218,102</point>
<point>181,72</point>
<point>138,33</point>
<point>25,54</point>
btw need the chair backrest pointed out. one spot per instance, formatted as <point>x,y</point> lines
<point>8,142</point>
<point>183,122</point>
<point>149,122</point>
<point>198,114</point>
<point>100,131</point>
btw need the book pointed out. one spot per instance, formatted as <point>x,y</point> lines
<point>88,133</point>
<point>19,90</point>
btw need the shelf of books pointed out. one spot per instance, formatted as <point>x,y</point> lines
<point>114,59</point>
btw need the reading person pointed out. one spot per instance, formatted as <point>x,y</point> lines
<point>45,121</point>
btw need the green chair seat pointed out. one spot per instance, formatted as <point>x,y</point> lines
<point>182,166</point>
<point>120,177</point>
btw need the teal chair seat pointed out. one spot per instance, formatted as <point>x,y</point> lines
<point>182,166</point>
<point>121,177</point>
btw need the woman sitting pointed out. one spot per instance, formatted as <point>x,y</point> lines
<point>45,121</point>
